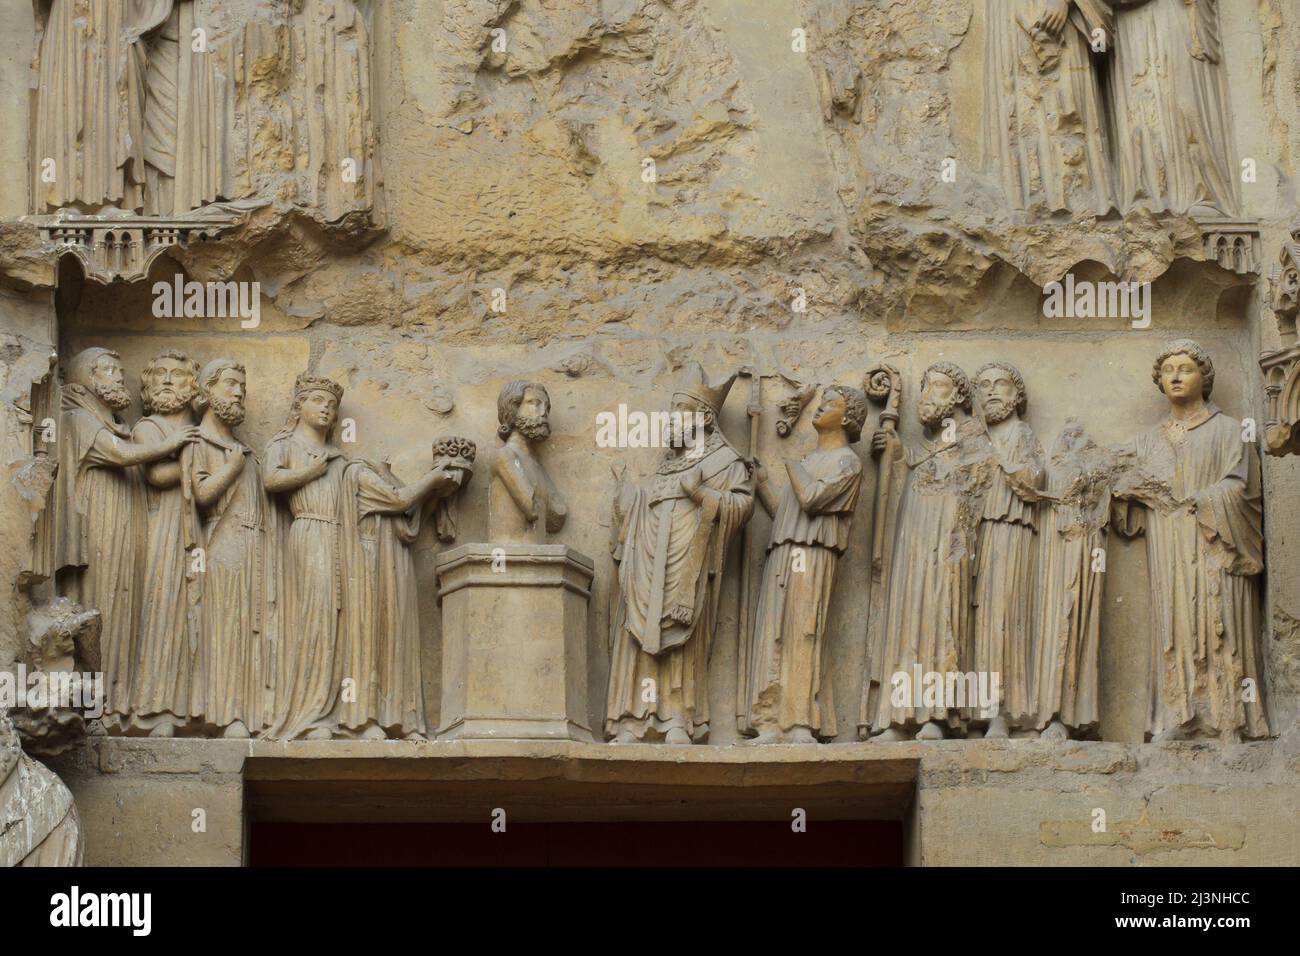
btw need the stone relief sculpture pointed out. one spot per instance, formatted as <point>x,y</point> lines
<point>928,621</point>
<point>340,143</point>
<point>670,539</point>
<point>128,116</point>
<point>1281,366</point>
<point>347,581</point>
<point>523,503</point>
<point>1072,520</point>
<point>39,823</point>
<point>787,692</point>
<point>1169,86</point>
<point>1192,486</point>
<point>1044,119</point>
<point>162,669</point>
<point>1004,568</point>
<point>99,510</point>
<point>233,587</point>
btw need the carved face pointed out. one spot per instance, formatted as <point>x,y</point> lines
<point>830,412</point>
<point>939,397</point>
<point>1181,379</point>
<point>109,383</point>
<point>999,393</point>
<point>688,423</point>
<point>171,385</point>
<point>226,396</point>
<point>320,409</point>
<point>532,416</point>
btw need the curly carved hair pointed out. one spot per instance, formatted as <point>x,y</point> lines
<point>855,409</point>
<point>508,402</point>
<point>208,377</point>
<point>146,374</point>
<point>959,380</point>
<point>1022,394</point>
<point>1193,350</point>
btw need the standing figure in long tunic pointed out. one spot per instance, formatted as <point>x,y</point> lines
<point>670,536</point>
<point>164,660</point>
<point>787,692</point>
<point>220,474</point>
<point>305,468</point>
<point>1170,92</point>
<point>1004,569</point>
<point>99,513</point>
<point>1045,132</point>
<point>349,657</point>
<point>1071,568</point>
<point>1193,488</point>
<point>928,613</point>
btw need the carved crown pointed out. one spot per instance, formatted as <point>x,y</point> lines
<point>317,383</point>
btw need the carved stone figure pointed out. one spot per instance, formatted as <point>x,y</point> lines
<point>1071,540</point>
<point>221,476</point>
<point>164,658</point>
<point>1192,485</point>
<point>349,654</point>
<point>1044,122</point>
<point>100,511</point>
<point>1004,568</point>
<point>1169,86</point>
<point>787,693</point>
<point>340,141</point>
<point>128,115</point>
<point>39,825</point>
<point>523,503</point>
<point>670,538</point>
<point>928,612</point>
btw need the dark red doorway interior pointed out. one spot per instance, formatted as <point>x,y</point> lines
<point>825,843</point>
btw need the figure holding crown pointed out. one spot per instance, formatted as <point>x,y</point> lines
<point>670,536</point>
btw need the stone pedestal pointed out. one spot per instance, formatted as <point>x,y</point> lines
<point>514,642</point>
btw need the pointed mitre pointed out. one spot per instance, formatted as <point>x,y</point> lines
<point>694,384</point>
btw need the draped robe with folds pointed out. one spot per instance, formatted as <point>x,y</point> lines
<point>235,590</point>
<point>349,629</point>
<point>380,632</point>
<point>928,612</point>
<point>1045,134</point>
<point>1004,574</point>
<point>1205,566</point>
<point>310,590</point>
<point>129,114</point>
<point>164,658</point>
<point>99,531</point>
<point>1067,639</point>
<point>39,825</point>
<point>788,685</point>
<point>672,552</point>
<point>1169,87</point>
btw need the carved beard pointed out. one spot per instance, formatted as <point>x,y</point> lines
<point>996,410</point>
<point>115,397</point>
<point>164,403</point>
<point>535,428</point>
<point>229,410</point>
<point>933,413</point>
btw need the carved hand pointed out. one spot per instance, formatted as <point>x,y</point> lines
<point>180,437</point>
<point>1054,15</point>
<point>691,481</point>
<point>683,614</point>
<point>882,441</point>
<point>317,467</point>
